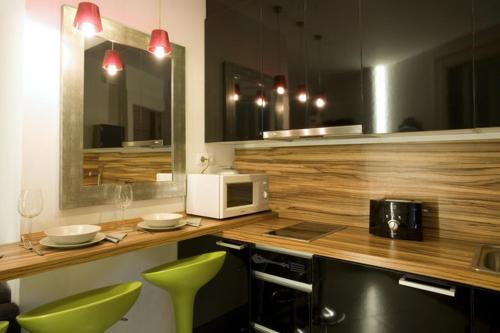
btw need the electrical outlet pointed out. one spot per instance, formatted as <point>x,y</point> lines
<point>202,159</point>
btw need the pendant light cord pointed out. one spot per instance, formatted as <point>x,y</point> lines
<point>159,14</point>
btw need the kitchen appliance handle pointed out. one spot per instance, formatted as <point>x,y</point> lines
<point>449,291</point>
<point>262,329</point>
<point>231,246</point>
<point>296,285</point>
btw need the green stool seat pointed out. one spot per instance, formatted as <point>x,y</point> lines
<point>3,326</point>
<point>182,279</point>
<point>93,311</point>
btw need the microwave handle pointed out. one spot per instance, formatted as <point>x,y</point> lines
<point>231,246</point>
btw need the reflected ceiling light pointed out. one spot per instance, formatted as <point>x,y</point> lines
<point>302,93</point>
<point>279,80</point>
<point>320,101</point>
<point>280,84</point>
<point>236,92</point>
<point>88,19</point>
<point>260,100</point>
<point>159,44</point>
<point>112,63</point>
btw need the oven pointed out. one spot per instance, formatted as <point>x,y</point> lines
<point>283,290</point>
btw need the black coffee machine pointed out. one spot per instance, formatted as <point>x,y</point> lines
<point>398,219</point>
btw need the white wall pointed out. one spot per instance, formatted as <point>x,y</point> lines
<point>184,19</point>
<point>11,22</point>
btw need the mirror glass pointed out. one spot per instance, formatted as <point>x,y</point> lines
<point>127,115</point>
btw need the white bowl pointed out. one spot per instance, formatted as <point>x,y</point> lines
<point>162,219</point>
<point>73,234</point>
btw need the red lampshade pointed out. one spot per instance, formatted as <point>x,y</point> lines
<point>112,62</point>
<point>280,84</point>
<point>159,44</point>
<point>88,19</point>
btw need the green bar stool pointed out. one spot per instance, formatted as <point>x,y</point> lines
<point>182,279</point>
<point>93,311</point>
<point>3,326</point>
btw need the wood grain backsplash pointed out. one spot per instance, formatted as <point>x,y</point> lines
<point>124,167</point>
<point>459,183</point>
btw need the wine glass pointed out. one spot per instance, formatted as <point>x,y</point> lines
<point>123,197</point>
<point>30,205</point>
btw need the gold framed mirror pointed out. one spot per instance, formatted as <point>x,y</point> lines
<point>138,136</point>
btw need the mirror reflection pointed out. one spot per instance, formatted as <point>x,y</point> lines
<point>127,114</point>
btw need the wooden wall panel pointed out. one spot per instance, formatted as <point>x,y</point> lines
<point>458,182</point>
<point>125,167</point>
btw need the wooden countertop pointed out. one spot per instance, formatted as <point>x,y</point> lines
<point>439,258</point>
<point>18,262</point>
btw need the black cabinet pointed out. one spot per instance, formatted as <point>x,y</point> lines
<point>486,311</point>
<point>222,305</point>
<point>487,62</point>
<point>316,47</point>
<point>232,68</point>
<point>391,66</point>
<point>357,298</point>
<point>417,65</point>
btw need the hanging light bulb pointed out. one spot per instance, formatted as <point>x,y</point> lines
<point>280,84</point>
<point>320,101</point>
<point>112,63</point>
<point>88,19</point>
<point>159,44</point>
<point>302,93</point>
<point>237,92</point>
<point>260,100</point>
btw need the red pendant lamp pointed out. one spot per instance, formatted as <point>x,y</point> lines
<point>237,92</point>
<point>302,93</point>
<point>260,99</point>
<point>280,84</point>
<point>112,63</point>
<point>88,19</point>
<point>279,80</point>
<point>159,44</point>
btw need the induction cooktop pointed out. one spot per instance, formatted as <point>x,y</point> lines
<point>306,231</point>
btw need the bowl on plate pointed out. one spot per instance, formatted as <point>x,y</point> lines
<point>160,220</point>
<point>73,234</point>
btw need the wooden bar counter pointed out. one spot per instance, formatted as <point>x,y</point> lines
<point>18,262</point>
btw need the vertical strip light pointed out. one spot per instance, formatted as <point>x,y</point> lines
<point>381,102</point>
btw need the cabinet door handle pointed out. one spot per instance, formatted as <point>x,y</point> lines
<point>231,246</point>
<point>449,291</point>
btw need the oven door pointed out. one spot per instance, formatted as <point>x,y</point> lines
<point>279,306</point>
<point>243,194</point>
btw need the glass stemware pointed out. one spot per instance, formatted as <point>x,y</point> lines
<point>123,197</point>
<point>30,205</point>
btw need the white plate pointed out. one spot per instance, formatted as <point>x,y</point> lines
<point>73,234</point>
<point>144,226</point>
<point>161,220</point>
<point>47,242</point>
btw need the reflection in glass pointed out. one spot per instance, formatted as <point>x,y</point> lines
<point>132,105</point>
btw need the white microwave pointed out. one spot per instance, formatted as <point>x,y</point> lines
<point>223,196</point>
